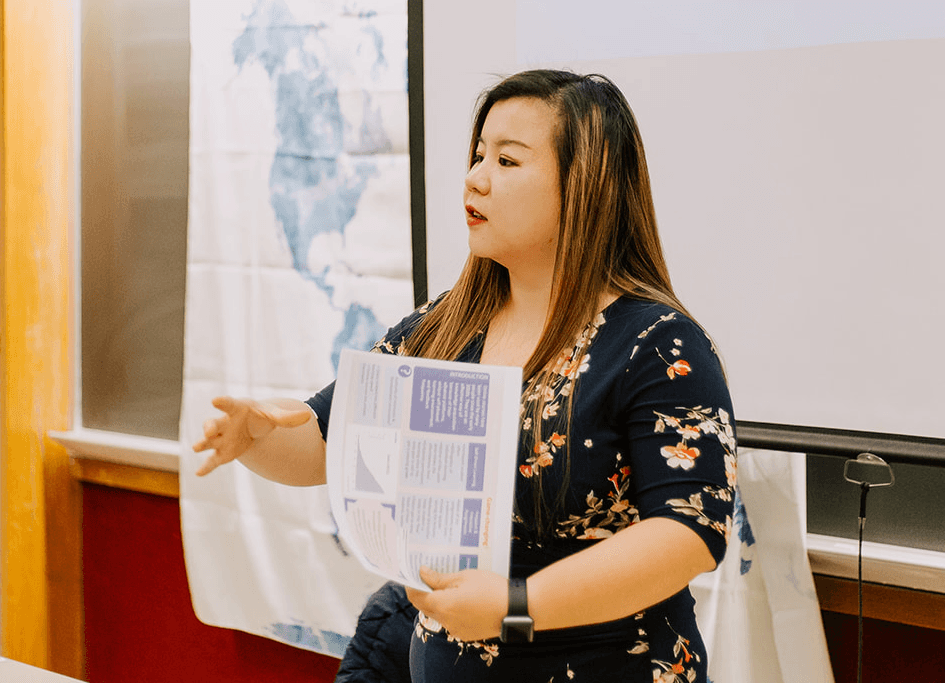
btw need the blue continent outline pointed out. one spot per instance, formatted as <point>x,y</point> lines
<point>300,635</point>
<point>311,191</point>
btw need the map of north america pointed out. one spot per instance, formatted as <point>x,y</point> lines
<point>322,163</point>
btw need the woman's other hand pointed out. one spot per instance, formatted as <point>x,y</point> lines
<point>243,421</point>
<point>470,604</point>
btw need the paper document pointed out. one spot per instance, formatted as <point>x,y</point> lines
<point>421,463</point>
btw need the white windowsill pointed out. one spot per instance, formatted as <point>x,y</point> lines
<point>125,449</point>
<point>886,564</point>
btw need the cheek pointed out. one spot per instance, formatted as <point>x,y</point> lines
<point>549,206</point>
<point>540,196</point>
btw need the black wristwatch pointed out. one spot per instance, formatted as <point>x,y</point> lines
<point>517,626</point>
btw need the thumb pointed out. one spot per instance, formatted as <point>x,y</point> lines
<point>434,579</point>
<point>264,416</point>
<point>290,418</point>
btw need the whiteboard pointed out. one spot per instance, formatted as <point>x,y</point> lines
<point>798,163</point>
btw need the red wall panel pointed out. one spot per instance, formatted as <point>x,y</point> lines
<point>140,625</point>
<point>891,652</point>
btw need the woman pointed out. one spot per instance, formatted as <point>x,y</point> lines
<point>627,454</point>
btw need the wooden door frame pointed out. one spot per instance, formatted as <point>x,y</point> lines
<point>40,503</point>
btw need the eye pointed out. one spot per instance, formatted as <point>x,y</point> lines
<point>505,161</point>
<point>476,158</point>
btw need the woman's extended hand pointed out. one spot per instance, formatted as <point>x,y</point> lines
<point>470,604</point>
<point>243,421</point>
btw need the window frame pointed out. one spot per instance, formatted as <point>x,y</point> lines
<point>82,442</point>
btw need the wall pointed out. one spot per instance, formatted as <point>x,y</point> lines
<point>140,625</point>
<point>40,584</point>
<point>892,652</point>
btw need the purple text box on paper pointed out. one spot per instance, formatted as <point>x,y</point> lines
<point>472,516</point>
<point>449,402</point>
<point>476,470</point>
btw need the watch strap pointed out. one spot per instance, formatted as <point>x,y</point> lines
<point>518,598</point>
<point>518,626</point>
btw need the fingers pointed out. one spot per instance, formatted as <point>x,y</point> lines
<point>242,422</point>
<point>280,417</point>
<point>211,428</point>
<point>208,466</point>
<point>418,598</point>
<point>225,403</point>
<point>270,412</point>
<point>212,431</point>
<point>214,460</point>
<point>421,599</point>
<point>463,602</point>
<point>433,578</point>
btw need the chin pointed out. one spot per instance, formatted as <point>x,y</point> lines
<point>477,248</point>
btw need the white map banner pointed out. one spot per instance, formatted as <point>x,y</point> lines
<point>298,247</point>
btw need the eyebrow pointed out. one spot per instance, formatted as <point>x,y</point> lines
<point>506,142</point>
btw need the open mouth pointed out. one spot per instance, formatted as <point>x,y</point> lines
<point>474,214</point>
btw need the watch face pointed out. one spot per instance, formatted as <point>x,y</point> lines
<point>517,629</point>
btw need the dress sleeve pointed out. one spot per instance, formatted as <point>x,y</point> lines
<point>678,414</point>
<point>390,343</point>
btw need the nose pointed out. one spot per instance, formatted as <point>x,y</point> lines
<point>477,179</point>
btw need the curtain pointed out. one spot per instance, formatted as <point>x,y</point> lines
<point>298,246</point>
<point>758,611</point>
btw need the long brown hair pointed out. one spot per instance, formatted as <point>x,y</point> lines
<point>607,236</point>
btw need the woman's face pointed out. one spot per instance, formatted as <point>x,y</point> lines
<point>512,194</point>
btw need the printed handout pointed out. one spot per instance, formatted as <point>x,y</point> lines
<point>421,463</point>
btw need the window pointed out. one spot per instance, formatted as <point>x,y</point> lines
<point>135,58</point>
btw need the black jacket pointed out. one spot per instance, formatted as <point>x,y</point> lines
<point>379,652</point>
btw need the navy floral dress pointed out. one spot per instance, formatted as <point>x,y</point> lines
<point>652,435</point>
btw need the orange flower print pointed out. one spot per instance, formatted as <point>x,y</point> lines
<point>731,469</point>
<point>688,432</point>
<point>557,440</point>
<point>543,457</point>
<point>619,506</point>
<point>383,346</point>
<point>672,673</point>
<point>572,369</point>
<point>490,651</point>
<point>563,361</point>
<point>604,516</point>
<point>681,646</point>
<point>680,367</point>
<point>596,533</point>
<point>679,456</point>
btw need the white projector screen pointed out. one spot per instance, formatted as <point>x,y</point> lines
<point>797,152</point>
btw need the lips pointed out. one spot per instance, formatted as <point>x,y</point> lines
<point>471,213</point>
